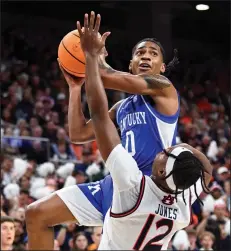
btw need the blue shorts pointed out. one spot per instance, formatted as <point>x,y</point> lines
<point>99,193</point>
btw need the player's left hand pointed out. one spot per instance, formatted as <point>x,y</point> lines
<point>91,42</point>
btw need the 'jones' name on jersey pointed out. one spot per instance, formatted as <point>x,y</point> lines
<point>170,213</point>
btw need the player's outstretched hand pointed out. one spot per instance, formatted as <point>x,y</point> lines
<point>71,80</point>
<point>91,42</point>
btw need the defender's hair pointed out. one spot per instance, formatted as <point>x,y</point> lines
<point>187,169</point>
<point>171,65</point>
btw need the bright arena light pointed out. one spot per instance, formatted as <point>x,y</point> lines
<point>202,7</point>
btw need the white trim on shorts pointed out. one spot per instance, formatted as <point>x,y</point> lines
<point>81,208</point>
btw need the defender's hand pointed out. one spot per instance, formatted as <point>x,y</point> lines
<point>70,79</point>
<point>91,43</point>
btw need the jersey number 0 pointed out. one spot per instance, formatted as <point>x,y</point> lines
<point>130,143</point>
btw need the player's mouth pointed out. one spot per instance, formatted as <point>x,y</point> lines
<point>145,67</point>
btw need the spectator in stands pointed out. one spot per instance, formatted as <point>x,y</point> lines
<point>218,224</point>
<point>7,166</point>
<point>19,234</point>
<point>223,175</point>
<point>7,233</point>
<point>96,238</point>
<point>192,237</point>
<point>65,234</point>
<point>2,204</point>
<point>216,193</point>
<point>24,183</point>
<point>206,241</point>
<point>24,198</point>
<point>226,197</point>
<point>79,242</point>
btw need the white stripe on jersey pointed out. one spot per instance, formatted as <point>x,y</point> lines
<point>166,130</point>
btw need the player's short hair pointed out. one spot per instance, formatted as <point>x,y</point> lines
<point>6,219</point>
<point>187,169</point>
<point>153,40</point>
<point>171,65</point>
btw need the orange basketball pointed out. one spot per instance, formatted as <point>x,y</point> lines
<point>70,54</point>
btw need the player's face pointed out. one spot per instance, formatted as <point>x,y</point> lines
<point>159,165</point>
<point>7,233</point>
<point>147,59</point>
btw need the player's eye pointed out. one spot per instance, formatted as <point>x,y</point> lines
<point>154,53</point>
<point>138,53</point>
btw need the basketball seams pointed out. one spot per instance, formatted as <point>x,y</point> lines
<point>71,53</point>
<point>75,35</point>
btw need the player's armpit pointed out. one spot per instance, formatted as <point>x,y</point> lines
<point>123,168</point>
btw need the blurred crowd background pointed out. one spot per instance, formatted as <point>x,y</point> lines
<point>38,158</point>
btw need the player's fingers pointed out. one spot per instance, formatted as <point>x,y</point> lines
<point>79,29</point>
<point>86,23</point>
<point>92,20</point>
<point>97,23</point>
<point>105,35</point>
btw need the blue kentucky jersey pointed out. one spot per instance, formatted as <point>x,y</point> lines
<point>144,131</point>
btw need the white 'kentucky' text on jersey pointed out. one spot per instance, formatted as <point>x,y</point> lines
<point>142,216</point>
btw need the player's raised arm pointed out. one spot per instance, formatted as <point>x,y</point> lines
<point>80,130</point>
<point>105,130</point>
<point>122,166</point>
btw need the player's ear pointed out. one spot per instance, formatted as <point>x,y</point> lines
<point>161,171</point>
<point>163,68</point>
<point>130,66</point>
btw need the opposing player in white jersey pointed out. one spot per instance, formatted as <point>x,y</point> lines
<point>146,211</point>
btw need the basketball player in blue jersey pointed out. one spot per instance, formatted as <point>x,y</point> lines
<point>147,121</point>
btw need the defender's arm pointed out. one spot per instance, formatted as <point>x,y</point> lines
<point>122,166</point>
<point>105,131</point>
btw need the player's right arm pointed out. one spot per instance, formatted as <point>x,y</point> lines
<point>80,130</point>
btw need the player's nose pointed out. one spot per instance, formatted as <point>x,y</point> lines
<point>146,56</point>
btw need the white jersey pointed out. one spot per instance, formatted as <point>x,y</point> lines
<point>141,215</point>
